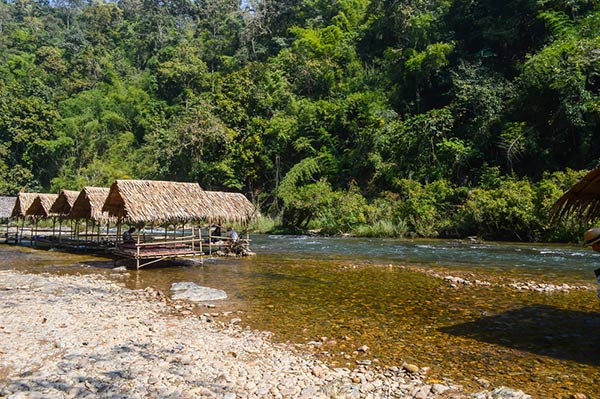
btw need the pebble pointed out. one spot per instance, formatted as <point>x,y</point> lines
<point>411,368</point>
<point>143,347</point>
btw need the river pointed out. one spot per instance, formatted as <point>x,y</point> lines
<point>334,295</point>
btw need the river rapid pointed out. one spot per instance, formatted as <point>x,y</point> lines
<point>520,315</point>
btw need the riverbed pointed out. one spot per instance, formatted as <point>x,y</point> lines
<point>478,314</point>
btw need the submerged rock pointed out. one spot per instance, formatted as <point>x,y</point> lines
<point>196,293</point>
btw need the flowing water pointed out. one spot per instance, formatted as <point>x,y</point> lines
<point>334,295</point>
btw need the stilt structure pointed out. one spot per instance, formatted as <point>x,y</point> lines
<point>6,206</point>
<point>61,207</point>
<point>22,203</point>
<point>88,207</point>
<point>143,203</point>
<point>40,210</point>
<point>229,208</point>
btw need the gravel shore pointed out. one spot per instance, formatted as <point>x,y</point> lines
<point>88,337</point>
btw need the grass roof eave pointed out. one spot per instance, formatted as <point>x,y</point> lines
<point>581,201</point>
<point>88,205</point>
<point>63,204</point>
<point>229,208</point>
<point>22,203</point>
<point>7,205</point>
<point>40,207</point>
<point>156,202</point>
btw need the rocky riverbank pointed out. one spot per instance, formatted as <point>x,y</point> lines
<point>87,337</point>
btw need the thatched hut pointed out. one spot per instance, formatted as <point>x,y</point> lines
<point>63,204</point>
<point>224,207</point>
<point>6,207</point>
<point>22,203</point>
<point>581,200</point>
<point>88,205</point>
<point>143,202</point>
<point>150,201</point>
<point>40,207</point>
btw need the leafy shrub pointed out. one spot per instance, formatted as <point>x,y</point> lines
<point>347,210</point>
<point>427,208</point>
<point>506,212</point>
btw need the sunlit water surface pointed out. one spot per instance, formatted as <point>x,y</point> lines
<point>380,293</point>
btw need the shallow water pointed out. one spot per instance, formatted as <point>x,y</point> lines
<point>347,293</point>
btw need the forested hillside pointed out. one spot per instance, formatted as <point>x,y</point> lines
<point>422,117</point>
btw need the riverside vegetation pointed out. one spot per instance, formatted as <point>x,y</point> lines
<point>427,118</point>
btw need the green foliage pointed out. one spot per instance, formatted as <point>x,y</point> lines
<point>346,212</point>
<point>307,203</point>
<point>506,212</point>
<point>353,117</point>
<point>427,208</point>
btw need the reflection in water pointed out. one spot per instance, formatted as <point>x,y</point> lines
<point>352,292</point>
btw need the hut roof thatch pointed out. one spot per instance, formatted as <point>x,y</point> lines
<point>88,204</point>
<point>6,206</point>
<point>64,202</point>
<point>582,200</point>
<point>227,207</point>
<point>143,201</point>
<point>22,203</point>
<point>41,205</point>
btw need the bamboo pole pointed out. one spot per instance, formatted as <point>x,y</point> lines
<point>138,251</point>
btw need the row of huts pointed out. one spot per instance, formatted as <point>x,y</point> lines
<point>169,218</point>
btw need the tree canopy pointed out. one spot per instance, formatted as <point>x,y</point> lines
<point>293,100</point>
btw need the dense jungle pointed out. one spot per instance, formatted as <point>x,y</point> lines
<point>428,118</point>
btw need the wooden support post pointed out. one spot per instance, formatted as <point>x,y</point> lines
<point>193,235</point>
<point>138,251</point>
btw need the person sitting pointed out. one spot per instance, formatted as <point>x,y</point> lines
<point>127,236</point>
<point>233,234</point>
<point>216,234</point>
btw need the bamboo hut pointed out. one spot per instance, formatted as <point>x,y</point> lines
<point>225,207</point>
<point>38,210</point>
<point>6,206</point>
<point>22,203</point>
<point>581,200</point>
<point>40,207</point>
<point>149,202</point>
<point>88,207</point>
<point>63,204</point>
<point>229,208</point>
<point>61,207</point>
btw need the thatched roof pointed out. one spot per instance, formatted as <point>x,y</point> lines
<point>41,205</point>
<point>224,207</point>
<point>88,204</point>
<point>6,206</point>
<point>64,202</point>
<point>581,200</point>
<point>149,201</point>
<point>22,203</point>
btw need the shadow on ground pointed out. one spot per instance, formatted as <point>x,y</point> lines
<point>540,329</point>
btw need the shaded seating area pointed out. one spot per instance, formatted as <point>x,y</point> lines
<point>226,209</point>
<point>170,220</point>
<point>6,206</point>
<point>87,208</point>
<point>40,210</point>
<point>22,204</point>
<point>148,203</point>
